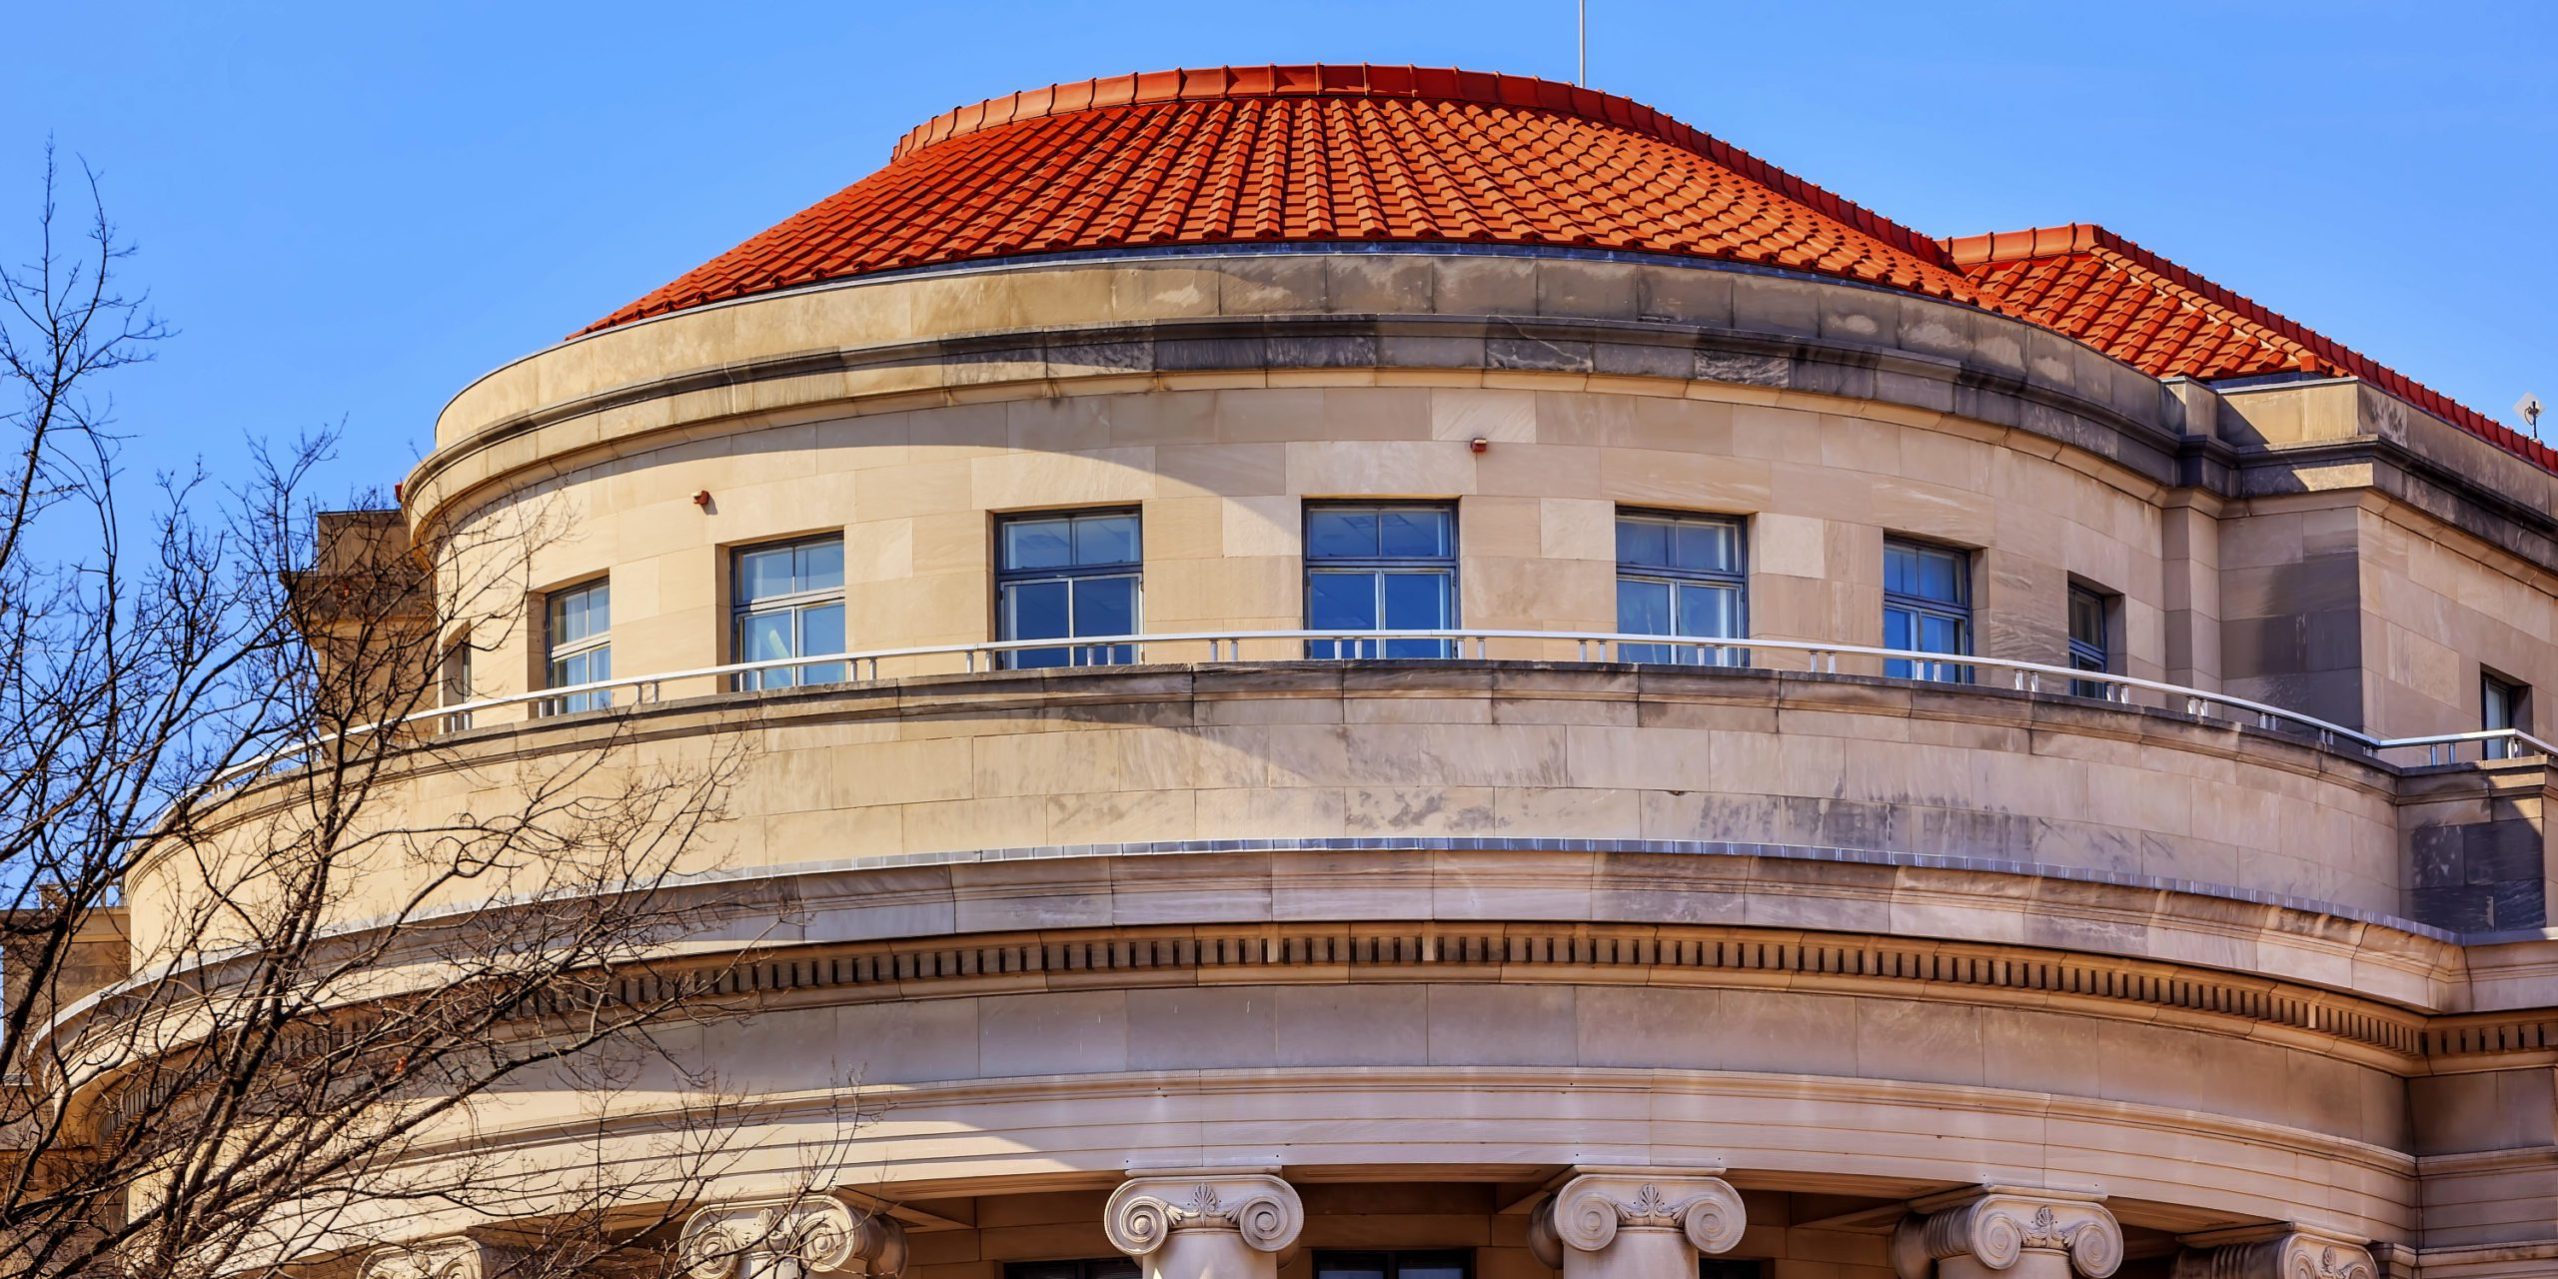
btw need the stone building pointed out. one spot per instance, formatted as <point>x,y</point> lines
<point>1372,673</point>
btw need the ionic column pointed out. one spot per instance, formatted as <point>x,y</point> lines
<point>1205,1225</point>
<point>451,1257</point>
<point>2029,1234</point>
<point>2286,1252</point>
<point>1635,1224</point>
<point>790,1237</point>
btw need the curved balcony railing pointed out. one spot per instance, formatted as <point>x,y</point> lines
<point>623,693</point>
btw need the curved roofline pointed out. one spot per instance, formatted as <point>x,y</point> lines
<point>1436,84</point>
<point>2311,352</point>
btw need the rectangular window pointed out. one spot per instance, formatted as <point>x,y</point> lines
<point>2091,616</point>
<point>790,603</point>
<point>1082,1268</point>
<point>1066,576</point>
<point>1728,1268</point>
<point>455,684</point>
<point>1681,575</point>
<point>2502,704</point>
<point>579,641</point>
<point>1434,1263</point>
<point>1927,608</point>
<point>1387,567</point>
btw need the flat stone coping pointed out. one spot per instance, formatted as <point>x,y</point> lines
<point>1657,847</point>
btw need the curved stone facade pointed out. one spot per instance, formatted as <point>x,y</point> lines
<point>1231,960</point>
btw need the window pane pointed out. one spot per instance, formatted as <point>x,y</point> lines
<point>1643,608</point>
<point>1643,542</point>
<point>821,629</point>
<point>1940,634</point>
<point>763,637</point>
<point>1710,612</point>
<point>1341,601</point>
<point>1896,628</point>
<point>1106,539</point>
<point>1707,546</point>
<point>764,574</point>
<point>1416,534</point>
<point>1037,544</point>
<point>1362,1266</point>
<point>1898,576</point>
<point>1340,534</point>
<point>1416,602</point>
<point>1432,1269</point>
<point>1940,576</point>
<point>1036,610</point>
<point>820,565</point>
<point>2087,617</point>
<point>1106,606</point>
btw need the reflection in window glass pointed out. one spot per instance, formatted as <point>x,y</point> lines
<point>2089,614</point>
<point>2502,704</point>
<point>579,641</point>
<point>1067,576</point>
<point>1680,575</point>
<point>1381,568</point>
<point>790,603</point>
<point>1927,607</point>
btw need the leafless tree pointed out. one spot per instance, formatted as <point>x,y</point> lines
<point>259,990</point>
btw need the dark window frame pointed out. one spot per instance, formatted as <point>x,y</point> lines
<point>1731,1268</point>
<point>797,603</point>
<point>1074,1268</point>
<point>1736,579</point>
<point>1378,565</point>
<point>2516,697</point>
<point>556,653</point>
<point>1134,570</point>
<point>2092,655</point>
<point>1391,1262</point>
<point>1958,610</point>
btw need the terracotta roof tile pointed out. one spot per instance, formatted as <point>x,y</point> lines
<point>1316,153</point>
<point>1243,155</point>
<point>2095,286</point>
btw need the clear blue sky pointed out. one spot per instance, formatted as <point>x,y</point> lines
<point>351,210</point>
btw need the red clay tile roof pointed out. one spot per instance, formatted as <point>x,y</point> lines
<point>2093,285</point>
<point>1242,155</point>
<point>1257,155</point>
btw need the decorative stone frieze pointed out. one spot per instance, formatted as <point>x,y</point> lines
<point>2030,1234</point>
<point>452,1257</point>
<point>1635,1223</point>
<point>1205,1225</point>
<point>2292,1253</point>
<point>790,1237</point>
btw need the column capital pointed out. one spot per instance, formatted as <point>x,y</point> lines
<point>2284,1252</point>
<point>1586,1213</point>
<point>1996,1225</point>
<point>789,1236</point>
<point>450,1257</point>
<point>1146,1211</point>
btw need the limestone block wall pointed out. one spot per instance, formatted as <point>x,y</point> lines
<point>1510,751</point>
<point>1222,477</point>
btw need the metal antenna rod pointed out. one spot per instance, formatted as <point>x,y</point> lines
<point>1583,78</point>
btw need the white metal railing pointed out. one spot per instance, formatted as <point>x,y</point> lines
<point>1475,645</point>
